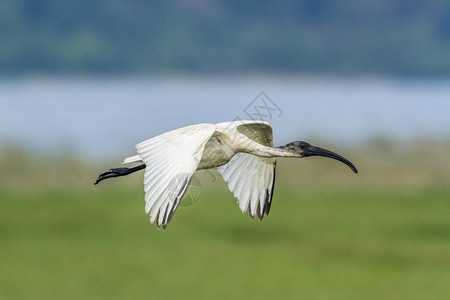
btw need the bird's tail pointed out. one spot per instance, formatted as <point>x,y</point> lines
<point>132,159</point>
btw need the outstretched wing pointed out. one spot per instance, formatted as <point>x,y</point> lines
<point>171,159</point>
<point>258,131</point>
<point>249,177</point>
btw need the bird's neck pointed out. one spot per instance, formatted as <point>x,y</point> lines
<point>265,151</point>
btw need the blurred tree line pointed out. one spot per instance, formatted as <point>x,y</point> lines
<point>403,37</point>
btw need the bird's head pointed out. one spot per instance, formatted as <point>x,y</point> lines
<point>304,149</point>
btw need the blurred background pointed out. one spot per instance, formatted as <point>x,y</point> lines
<point>82,82</point>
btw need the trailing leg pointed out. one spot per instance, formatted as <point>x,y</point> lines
<point>117,172</point>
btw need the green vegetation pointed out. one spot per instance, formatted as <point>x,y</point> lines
<point>343,237</point>
<point>348,36</point>
<point>324,244</point>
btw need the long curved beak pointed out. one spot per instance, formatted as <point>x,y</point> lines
<point>317,151</point>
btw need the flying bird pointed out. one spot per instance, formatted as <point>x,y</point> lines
<point>243,152</point>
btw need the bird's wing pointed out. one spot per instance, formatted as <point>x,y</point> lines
<point>249,177</point>
<point>258,131</point>
<point>171,159</point>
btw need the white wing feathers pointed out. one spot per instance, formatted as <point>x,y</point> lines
<point>251,179</point>
<point>171,159</point>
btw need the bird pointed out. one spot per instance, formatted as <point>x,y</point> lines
<point>243,152</point>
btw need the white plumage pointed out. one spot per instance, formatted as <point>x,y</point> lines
<point>243,152</point>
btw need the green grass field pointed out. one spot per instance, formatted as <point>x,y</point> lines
<point>356,238</point>
<point>321,244</point>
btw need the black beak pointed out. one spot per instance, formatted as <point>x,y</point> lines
<point>316,151</point>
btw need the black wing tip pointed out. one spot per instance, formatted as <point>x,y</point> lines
<point>161,225</point>
<point>269,194</point>
<point>250,214</point>
<point>260,213</point>
<point>169,214</point>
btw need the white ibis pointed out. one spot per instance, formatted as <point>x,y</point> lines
<point>243,152</point>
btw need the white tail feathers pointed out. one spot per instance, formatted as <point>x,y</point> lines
<point>132,159</point>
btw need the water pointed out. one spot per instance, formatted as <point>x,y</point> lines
<point>97,117</point>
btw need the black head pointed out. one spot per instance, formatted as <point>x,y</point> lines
<point>304,149</point>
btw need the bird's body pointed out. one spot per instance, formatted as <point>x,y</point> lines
<point>243,152</point>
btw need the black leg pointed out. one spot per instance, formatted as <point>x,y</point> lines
<point>116,172</point>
